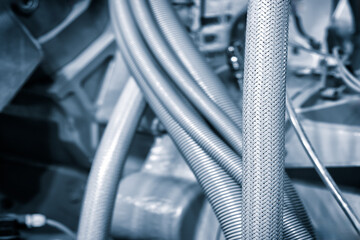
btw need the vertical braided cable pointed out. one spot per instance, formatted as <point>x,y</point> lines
<point>264,118</point>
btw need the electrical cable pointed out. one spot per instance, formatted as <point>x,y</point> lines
<point>345,74</point>
<point>321,169</point>
<point>310,50</point>
<point>58,225</point>
<point>348,78</point>
<point>139,49</point>
<point>37,220</point>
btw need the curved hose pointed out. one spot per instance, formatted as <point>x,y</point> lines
<point>146,65</point>
<point>121,22</point>
<point>321,169</point>
<point>264,118</point>
<point>186,116</point>
<point>182,78</point>
<point>223,193</point>
<point>108,163</point>
<point>351,81</point>
<point>348,78</point>
<point>61,227</point>
<point>297,224</point>
<point>176,35</point>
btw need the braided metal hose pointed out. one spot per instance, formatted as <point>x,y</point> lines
<point>223,192</point>
<point>264,118</point>
<point>296,222</point>
<point>154,77</point>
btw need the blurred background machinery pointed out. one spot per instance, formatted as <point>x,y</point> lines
<point>62,73</point>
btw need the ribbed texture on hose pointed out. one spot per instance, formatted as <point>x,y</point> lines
<point>297,225</point>
<point>180,42</point>
<point>169,61</point>
<point>176,35</point>
<point>212,165</point>
<point>223,193</point>
<point>174,103</point>
<point>264,118</point>
<point>108,164</point>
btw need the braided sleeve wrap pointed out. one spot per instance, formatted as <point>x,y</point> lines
<point>264,118</point>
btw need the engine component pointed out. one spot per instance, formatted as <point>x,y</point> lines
<point>212,155</point>
<point>19,58</point>
<point>159,207</point>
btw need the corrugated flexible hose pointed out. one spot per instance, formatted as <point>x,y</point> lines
<point>173,101</point>
<point>193,61</point>
<point>218,176</point>
<point>264,118</point>
<point>223,193</point>
<point>108,163</point>
<point>296,221</point>
<point>174,68</point>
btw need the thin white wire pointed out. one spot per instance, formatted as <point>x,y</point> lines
<point>348,78</point>
<point>320,168</point>
<point>299,46</point>
<point>61,227</point>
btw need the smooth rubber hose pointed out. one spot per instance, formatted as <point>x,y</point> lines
<point>174,68</point>
<point>183,46</point>
<point>223,193</point>
<point>108,163</point>
<point>177,106</point>
<point>264,118</point>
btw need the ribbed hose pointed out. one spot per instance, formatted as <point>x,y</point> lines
<point>174,68</point>
<point>108,163</point>
<point>296,221</point>
<point>176,105</point>
<point>297,224</point>
<point>146,64</point>
<point>229,224</point>
<point>264,118</point>
<point>177,37</point>
<point>223,193</point>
